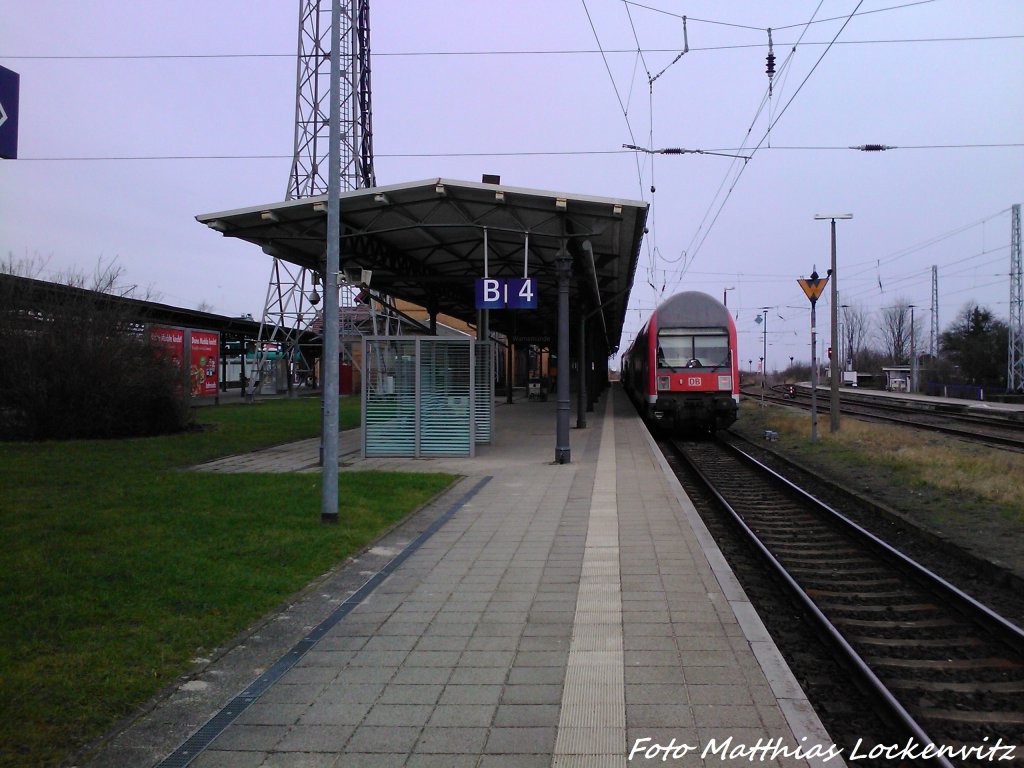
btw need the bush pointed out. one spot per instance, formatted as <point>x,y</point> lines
<point>75,366</point>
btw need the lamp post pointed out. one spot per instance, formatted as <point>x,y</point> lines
<point>725,294</point>
<point>329,368</point>
<point>913,354</point>
<point>763,318</point>
<point>834,390</point>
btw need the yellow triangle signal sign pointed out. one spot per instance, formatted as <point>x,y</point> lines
<point>813,286</point>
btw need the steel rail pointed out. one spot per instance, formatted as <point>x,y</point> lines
<point>868,677</point>
<point>1007,631</point>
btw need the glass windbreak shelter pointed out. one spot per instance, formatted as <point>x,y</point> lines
<point>693,347</point>
<point>426,396</point>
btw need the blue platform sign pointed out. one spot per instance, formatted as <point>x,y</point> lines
<point>9,113</point>
<point>522,293</point>
<point>506,293</point>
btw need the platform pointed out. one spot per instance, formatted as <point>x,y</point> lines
<point>566,615</point>
<point>986,408</point>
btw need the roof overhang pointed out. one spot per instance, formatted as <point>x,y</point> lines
<point>424,242</point>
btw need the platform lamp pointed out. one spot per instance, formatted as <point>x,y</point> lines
<point>834,382</point>
<point>330,373</point>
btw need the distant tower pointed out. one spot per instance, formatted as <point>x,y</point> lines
<point>933,336</point>
<point>292,293</point>
<point>1015,355</point>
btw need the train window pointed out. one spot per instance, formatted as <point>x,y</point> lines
<point>693,347</point>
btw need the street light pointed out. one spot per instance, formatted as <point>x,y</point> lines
<point>834,391</point>
<point>763,318</point>
<point>913,353</point>
<point>725,294</point>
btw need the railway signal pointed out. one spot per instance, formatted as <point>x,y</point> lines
<point>812,288</point>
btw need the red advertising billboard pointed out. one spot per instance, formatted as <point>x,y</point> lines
<point>203,348</point>
<point>169,343</point>
<point>199,350</point>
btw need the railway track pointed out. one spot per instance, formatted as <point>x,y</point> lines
<point>999,433</point>
<point>947,669</point>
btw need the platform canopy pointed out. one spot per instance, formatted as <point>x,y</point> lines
<point>423,242</point>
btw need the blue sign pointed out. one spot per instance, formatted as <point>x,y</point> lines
<point>490,293</point>
<point>506,293</point>
<point>9,113</point>
<point>522,293</point>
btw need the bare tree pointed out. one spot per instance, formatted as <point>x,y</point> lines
<point>856,329</point>
<point>26,266</point>
<point>895,331</point>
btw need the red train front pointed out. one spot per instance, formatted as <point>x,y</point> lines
<point>681,369</point>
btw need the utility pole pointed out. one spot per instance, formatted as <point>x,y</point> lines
<point>913,353</point>
<point>834,388</point>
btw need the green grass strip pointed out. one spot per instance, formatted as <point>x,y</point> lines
<point>119,568</point>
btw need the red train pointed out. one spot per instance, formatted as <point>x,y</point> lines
<point>681,369</point>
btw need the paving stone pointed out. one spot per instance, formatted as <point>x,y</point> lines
<point>379,738</point>
<point>449,715</point>
<point>518,715</point>
<point>315,738</point>
<point>471,694</point>
<point>411,694</point>
<point>398,714</point>
<point>333,713</point>
<point>252,738</point>
<point>529,740</point>
<point>453,740</point>
<point>478,676</point>
<point>532,693</point>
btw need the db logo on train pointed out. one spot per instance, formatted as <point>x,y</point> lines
<point>694,381</point>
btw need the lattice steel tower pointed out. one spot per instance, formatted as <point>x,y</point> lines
<point>291,292</point>
<point>1015,355</point>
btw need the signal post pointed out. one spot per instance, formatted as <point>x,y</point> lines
<point>812,288</point>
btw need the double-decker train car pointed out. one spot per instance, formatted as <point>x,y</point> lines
<point>681,369</point>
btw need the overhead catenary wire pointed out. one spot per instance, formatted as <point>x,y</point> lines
<point>510,153</point>
<point>694,250</point>
<point>790,26</point>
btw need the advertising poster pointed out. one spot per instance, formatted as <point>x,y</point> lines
<point>169,343</point>
<point>203,362</point>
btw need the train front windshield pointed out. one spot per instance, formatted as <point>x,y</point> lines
<point>693,348</point>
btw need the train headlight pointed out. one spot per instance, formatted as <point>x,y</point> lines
<point>664,383</point>
<point>725,383</point>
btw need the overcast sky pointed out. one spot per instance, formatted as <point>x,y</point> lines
<point>522,90</point>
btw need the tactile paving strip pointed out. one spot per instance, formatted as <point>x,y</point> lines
<point>592,722</point>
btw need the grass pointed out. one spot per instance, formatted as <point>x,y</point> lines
<point>914,457</point>
<point>119,568</point>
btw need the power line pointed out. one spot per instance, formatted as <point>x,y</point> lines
<point>511,153</point>
<point>790,26</point>
<point>507,52</point>
<point>693,251</point>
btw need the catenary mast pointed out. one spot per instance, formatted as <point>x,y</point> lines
<point>293,292</point>
<point>1015,353</point>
